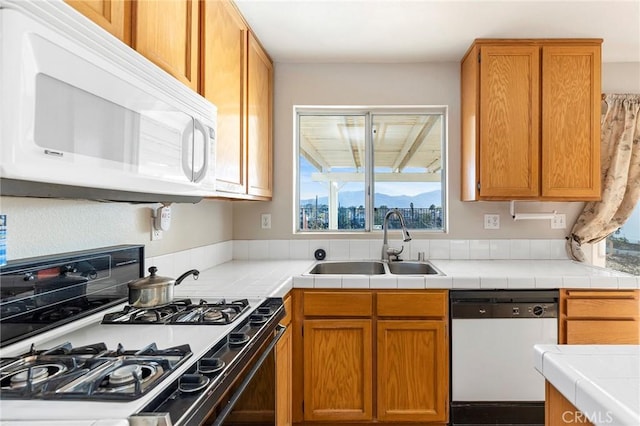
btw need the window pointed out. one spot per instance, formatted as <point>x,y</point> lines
<point>354,165</point>
<point>623,246</point>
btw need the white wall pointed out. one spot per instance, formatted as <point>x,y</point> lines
<point>44,226</point>
<point>393,84</point>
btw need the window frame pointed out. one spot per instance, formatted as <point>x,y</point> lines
<point>369,180</point>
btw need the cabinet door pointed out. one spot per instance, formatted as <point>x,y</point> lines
<point>571,122</point>
<point>338,370</point>
<point>166,33</point>
<point>509,111</point>
<point>284,356</point>
<point>112,15</point>
<point>224,48</point>
<point>413,371</point>
<point>259,104</point>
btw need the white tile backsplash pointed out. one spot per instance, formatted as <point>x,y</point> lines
<point>480,249</point>
<point>338,250</point>
<point>359,249</point>
<point>459,249</point>
<point>520,249</point>
<point>173,264</point>
<point>540,249</point>
<point>279,249</point>
<point>299,249</point>
<point>499,249</point>
<point>258,249</point>
<point>439,249</point>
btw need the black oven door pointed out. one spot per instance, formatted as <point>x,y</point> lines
<point>252,399</point>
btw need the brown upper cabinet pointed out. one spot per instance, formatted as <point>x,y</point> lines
<point>224,64</point>
<point>167,33</point>
<point>237,77</point>
<point>531,120</point>
<point>112,15</point>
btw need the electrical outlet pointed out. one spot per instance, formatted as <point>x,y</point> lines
<point>265,221</point>
<point>559,221</point>
<point>156,234</point>
<point>491,221</point>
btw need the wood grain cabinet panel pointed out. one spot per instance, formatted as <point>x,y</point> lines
<point>426,304</point>
<point>370,357</point>
<point>412,372</point>
<point>571,122</point>
<point>284,371</point>
<point>167,33</point>
<point>112,15</point>
<point>531,120</point>
<point>559,411</point>
<point>338,370</point>
<point>600,317</point>
<point>223,82</point>
<point>259,118</point>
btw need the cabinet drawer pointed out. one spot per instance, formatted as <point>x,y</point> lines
<point>334,303</point>
<point>583,332</point>
<point>412,304</point>
<point>603,308</point>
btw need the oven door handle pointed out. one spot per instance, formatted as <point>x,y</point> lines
<point>252,372</point>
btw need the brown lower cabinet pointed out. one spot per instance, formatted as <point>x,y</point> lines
<point>370,356</point>
<point>559,411</point>
<point>599,317</point>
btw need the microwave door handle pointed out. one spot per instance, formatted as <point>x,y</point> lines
<point>200,174</point>
<point>187,146</point>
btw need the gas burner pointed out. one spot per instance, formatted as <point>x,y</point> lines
<point>212,315</point>
<point>128,377</point>
<point>31,375</point>
<point>88,372</point>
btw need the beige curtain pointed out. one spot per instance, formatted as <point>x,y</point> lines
<point>620,175</point>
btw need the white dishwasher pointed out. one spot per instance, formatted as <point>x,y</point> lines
<point>493,380</point>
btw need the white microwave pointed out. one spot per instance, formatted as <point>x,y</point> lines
<point>85,116</point>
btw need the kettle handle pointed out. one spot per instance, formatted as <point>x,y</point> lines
<point>195,273</point>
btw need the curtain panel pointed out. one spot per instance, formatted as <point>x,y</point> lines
<point>620,149</point>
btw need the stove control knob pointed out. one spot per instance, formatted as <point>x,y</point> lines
<point>538,310</point>
<point>29,276</point>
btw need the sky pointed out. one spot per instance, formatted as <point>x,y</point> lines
<point>631,228</point>
<point>309,189</point>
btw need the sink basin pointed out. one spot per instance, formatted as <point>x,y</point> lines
<point>412,268</point>
<point>347,268</point>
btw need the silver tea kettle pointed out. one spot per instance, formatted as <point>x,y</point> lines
<point>155,290</point>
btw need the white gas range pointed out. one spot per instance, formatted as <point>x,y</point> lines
<point>115,364</point>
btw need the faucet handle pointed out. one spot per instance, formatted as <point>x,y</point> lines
<point>395,253</point>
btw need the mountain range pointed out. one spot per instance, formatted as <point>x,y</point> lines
<point>356,199</point>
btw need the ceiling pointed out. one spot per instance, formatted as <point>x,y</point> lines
<point>388,31</point>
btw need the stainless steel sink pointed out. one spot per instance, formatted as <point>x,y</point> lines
<point>348,268</point>
<point>373,267</point>
<point>412,268</point>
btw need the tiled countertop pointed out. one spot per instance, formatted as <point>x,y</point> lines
<point>260,278</point>
<point>602,381</point>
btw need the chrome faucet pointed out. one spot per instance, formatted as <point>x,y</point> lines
<point>390,251</point>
